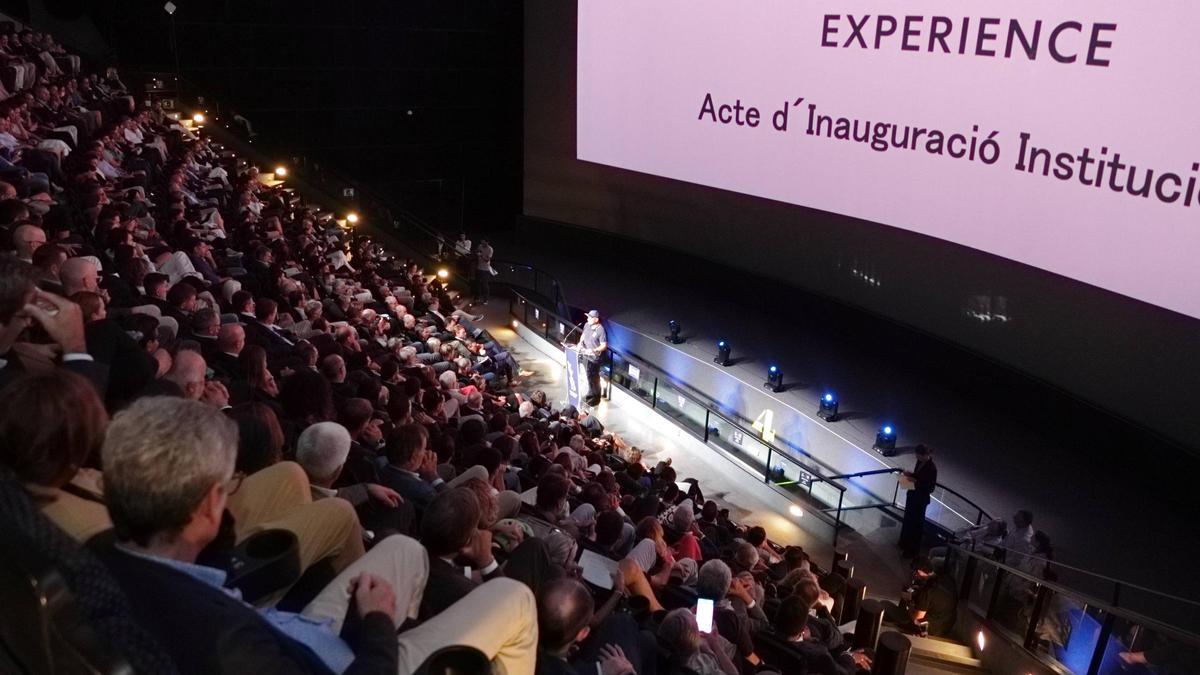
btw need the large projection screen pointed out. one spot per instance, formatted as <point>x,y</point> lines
<point>1018,177</point>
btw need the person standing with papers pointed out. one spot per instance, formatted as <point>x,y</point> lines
<point>923,480</point>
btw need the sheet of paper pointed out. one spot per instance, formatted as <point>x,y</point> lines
<point>597,569</point>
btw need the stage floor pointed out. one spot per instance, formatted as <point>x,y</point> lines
<point>1096,516</point>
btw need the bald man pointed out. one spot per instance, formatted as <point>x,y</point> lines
<point>26,240</point>
<point>231,340</point>
<point>79,274</point>
<point>188,374</point>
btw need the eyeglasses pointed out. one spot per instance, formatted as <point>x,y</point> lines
<point>234,483</point>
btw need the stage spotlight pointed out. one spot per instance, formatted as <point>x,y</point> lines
<point>796,511</point>
<point>443,274</point>
<point>673,327</point>
<point>352,217</point>
<point>723,350</point>
<point>198,118</point>
<point>885,440</point>
<point>515,324</point>
<point>774,378</point>
<point>829,407</point>
<point>280,171</point>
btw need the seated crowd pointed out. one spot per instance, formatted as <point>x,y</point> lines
<point>192,355</point>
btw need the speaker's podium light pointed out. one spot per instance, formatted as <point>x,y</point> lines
<point>198,118</point>
<point>673,328</point>
<point>443,274</point>
<point>280,171</point>
<point>723,351</point>
<point>828,409</point>
<point>352,217</point>
<point>774,378</point>
<point>885,440</point>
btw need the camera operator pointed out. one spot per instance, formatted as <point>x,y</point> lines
<point>927,606</point>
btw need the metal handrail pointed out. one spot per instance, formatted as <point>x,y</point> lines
<point>860,474</point>
<point>877,472</point>
<point>1118,582</point>
<point>1111,609</point>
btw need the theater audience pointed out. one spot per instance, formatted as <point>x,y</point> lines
<point>268,369</point>
<point>166,491</point>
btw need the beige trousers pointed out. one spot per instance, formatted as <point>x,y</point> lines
<point>279,497</point>
<point>499,618</point>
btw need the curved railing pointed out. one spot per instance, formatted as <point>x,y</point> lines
<point>1028,604</point>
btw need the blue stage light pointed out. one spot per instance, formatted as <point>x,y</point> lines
<point>774,378</point>
<point>885,440</point>
<point>828,409</point>
<point>723,351</point>
<point>673,327</point>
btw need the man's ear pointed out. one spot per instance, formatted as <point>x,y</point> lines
<point>583,633</point>
<point>210,509</point>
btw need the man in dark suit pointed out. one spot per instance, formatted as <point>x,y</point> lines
<point>411,468</point>
<point>202,329</point>
<point>263,332</point>
<point>231,339</point>
<point>924,478</point>
<point>795,624</point>
<point>450,530</point>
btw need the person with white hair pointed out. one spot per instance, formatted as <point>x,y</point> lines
<point>321,450</point>
<point>702,653</point>
<point>715,581</point>
<point>526,409</point>
<point>169,468</point>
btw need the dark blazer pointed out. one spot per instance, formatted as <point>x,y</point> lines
<point>131,369</point>
<point>925,477</point>
<point>412,488</point>
<point>821,661</point>
<point>446,585</point>
<point>258,333</point>
<point>93,371</point>
<point>225,365</point>
<point>361,466</point>
<point>206,631</point>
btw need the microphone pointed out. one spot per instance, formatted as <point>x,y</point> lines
<point>570,333</point>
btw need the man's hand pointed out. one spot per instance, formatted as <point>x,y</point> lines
<point>216,394</point>
<point>510,531</point>
<point>384,495</point>
<point>613,661</point>
<point>36,358</point>
<point>372,434</point>
<point>1132,658</point>
<point>618,582</point>
<point>373,594</point>
<point>861,659</point>
<point>741,588</point>
<point>428,469</point>
<point>479,549</point>
<point>64,323</point>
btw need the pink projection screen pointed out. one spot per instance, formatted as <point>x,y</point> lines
<point>1063,135</point>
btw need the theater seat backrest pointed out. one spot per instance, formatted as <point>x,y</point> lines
<point>42,630</point>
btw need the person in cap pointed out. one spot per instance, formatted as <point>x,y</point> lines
<point>593,344</point>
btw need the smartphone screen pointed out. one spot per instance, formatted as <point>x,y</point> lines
<point>704,614</point>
